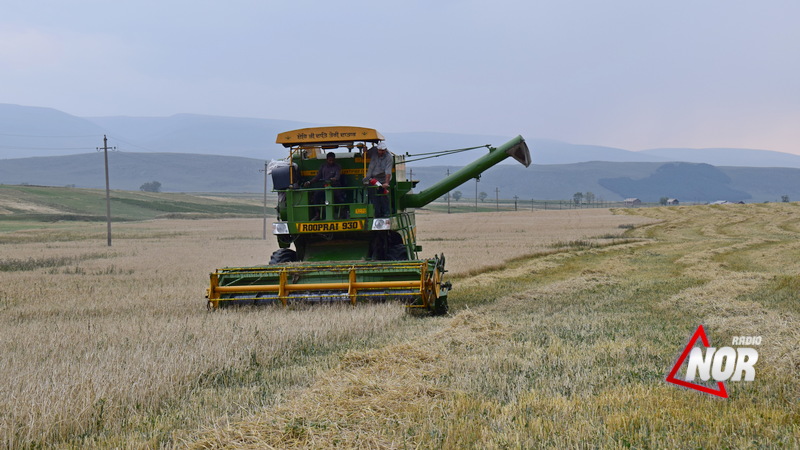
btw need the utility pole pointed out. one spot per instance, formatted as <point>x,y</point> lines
<point>264,233</point>
<point>108,195</point>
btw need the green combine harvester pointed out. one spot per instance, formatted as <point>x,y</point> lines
<point>352,237</point>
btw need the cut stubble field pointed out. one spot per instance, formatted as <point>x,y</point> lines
<point>563,327</point>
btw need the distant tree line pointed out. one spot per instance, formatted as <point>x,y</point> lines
<point>151,186</point>
<point>579,198</point>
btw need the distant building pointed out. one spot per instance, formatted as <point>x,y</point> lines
<point>673,201</point>
<point>632,202</point>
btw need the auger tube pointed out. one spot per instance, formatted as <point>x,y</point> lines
<point>515,148</point>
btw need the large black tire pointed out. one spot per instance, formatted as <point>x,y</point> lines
<point>440,307</point>
<point>283,255</point>
<point>387,246</point>
<point>397,252</point>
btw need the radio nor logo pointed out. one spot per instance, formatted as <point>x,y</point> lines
<point>735,363</point>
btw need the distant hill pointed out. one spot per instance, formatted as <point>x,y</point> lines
<point>177,172</point>
<point>541,182</point>
<point>197,153</point>
<point>27,131</point>
<point>198,134</point>
<point>695,182</point>
<point>727,157</point>
<point>610,181</point>
<point>543,151</point>
<point>546,151</point>
<point>51,204</point>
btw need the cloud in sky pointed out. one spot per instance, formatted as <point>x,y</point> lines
<point>622,73</point>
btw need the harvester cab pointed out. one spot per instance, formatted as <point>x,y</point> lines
<point>312,208</point>
<point>345,225</point>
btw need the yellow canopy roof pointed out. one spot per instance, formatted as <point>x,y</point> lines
<point>328,135</point>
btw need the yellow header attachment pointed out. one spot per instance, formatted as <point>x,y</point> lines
<point>328,135</point>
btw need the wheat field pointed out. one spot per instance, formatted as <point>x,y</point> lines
<point>564,325</point>
<point>475,242</point>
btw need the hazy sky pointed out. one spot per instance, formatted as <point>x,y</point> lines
<point>633,74</point>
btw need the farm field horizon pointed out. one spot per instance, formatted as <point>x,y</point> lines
<point>563,327</point>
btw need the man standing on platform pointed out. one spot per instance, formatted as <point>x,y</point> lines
<point>380,170</point>
<point>329,173</point>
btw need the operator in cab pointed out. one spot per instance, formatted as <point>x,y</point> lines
<point>379,171</point>
<point>328,173</point>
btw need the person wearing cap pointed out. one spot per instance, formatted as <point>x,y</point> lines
<point>330,172</point>
<point>380,169</point>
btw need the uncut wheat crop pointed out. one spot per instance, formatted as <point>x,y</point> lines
<point>113,346</point>
<point>475,242</point>
<point>570,349</point>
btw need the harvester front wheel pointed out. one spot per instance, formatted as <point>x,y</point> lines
<point>397,252</point>
<point>282,255</point>
<point>440,307</point>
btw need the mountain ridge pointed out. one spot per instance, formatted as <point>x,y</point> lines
<point>181,172</point>
<point>27,131</point>
<point>200,153</point>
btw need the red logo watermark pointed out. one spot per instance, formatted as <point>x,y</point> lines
<point>723,364</point>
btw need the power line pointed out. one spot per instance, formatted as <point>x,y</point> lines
<point>93,136</point>
<point>43,136</point>
<point>14,147</point>
<point>46,148</point>
<point>132,144</point>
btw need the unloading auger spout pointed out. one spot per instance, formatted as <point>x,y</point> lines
<point>515,148</point>
<point>346,227</point>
